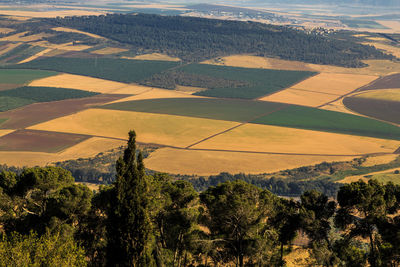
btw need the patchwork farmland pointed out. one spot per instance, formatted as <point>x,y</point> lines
<point>241,113</point>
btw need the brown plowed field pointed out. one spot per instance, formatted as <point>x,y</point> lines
<point>39,141</point>
<point>375,108</point>
<point>40,112</point>
<point>391,81</point>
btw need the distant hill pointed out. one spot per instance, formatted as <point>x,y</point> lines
<point>382,3</point>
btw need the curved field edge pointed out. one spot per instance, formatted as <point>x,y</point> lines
<point>263,112</point>
<point>385,110</point>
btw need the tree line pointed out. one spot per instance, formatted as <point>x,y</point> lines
<point>196,39</point>
<point>150,220</point>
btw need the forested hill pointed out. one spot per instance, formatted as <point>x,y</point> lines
<point>196,39</point>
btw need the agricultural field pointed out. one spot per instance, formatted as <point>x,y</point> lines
<point>23,96</point>
<point>386,82</point>
<point>169,130</point>
<point>268,113</point>
<point>262,81</point>
<point>38,141</point>
<point>121,70</point>
<point>21,76</point>
<point>179,161</point>
<point>386,110</point>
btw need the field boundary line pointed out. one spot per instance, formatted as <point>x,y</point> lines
<point>349,93</point>
<point>311,91</point>
<point>316,73</point>
<point>237,126</point>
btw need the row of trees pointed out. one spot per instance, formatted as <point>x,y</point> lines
<point>144,220</point>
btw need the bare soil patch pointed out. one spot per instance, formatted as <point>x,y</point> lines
<point>156,56</point>
<point>387,82</point>
<point>109,51</point>
<point>40,112</point>
<point>39,141</point>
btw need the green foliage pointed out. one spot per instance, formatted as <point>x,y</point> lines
<point>121,70</point>
<point>330,121</point>
<point>129,226</point>
<point>22,96</point>
<point>219,109</point>
<point>261,81</point>
<point>235,215</point>
<point>21,76</point>
<point>8,102</point>
<point>46,250</point>
<point>196,39</point>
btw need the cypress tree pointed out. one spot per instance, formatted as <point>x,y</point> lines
<point>129,225</point>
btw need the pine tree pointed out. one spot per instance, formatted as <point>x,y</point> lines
<point>129,226</point>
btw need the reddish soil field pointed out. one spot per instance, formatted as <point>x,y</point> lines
<point>387,82</point>
<point>40,112</point>
<point>375,108</point>
<point>39,141</point>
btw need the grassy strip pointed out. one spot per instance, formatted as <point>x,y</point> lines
<point>21,76</point>
<point>122,70</point>
<point>330,121</point>
<point>45,94</point>
<point>8,103</point>
<point>262,81</point>
<point>220,109</point>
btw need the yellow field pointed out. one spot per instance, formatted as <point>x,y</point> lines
<point>189,89</point>
<point>155,93</point>
<point>41,53</point>
<point>89,84</point>
<point>156,56</point>
<point>179,161</point>
<point>393,24</point>
<point>65,47</point>
<point>48,14</point>
<point>300,97</point>
<point>88,148</point>
<point>6,30</point>
<point>4,132</point>
<point>19,37</point>
<point>334,83</point>
<point>265,138</point>
<point>376,67</point>
<point>64,29</point>
<point>387,48</point>
<point>150,128</point>
<point>386,94</point>
<point>377,160</point>
<point>339,107</point>
<point>381,39</point>
<point>109,51</point>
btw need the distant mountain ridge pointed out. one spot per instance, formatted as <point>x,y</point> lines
<point>382,3</point>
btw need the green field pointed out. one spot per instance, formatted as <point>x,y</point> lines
<point>20,53</point>
<point>21,76</point>
<point>260,112</point>
<point>22,96</point>
<point>121,70</point>
<point>263,81</point>
<point>330,121</point>
<point>219,109</point>
<point>8,103</point>
<point>385,177</point>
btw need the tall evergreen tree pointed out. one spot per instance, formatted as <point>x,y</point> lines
<point>129,225</point>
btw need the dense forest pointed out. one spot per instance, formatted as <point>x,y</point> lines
<point>149,220</point>
<point>197,39</point>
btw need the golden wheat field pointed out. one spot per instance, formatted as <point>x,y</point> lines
<point>9,47</point>
<point>47,14</point>
<point>156,56</point>
<point>64,29</point>
<point>392,24</point>
<point>395,51</point>
<point>89,84</point>
<point>265,138</point>
<point>180,161</point>
<point>109,51</point>
<point>25,37</point>
<point>300,97</point>
<point>162,129</point>
<point>88,148</point>
<point>338,106</point>
<point>355,178</point>
<point>155,93</point>
<point>4,132</point>
<point>41,53</point>
<point>377,160</point>
<point>334,83</point>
